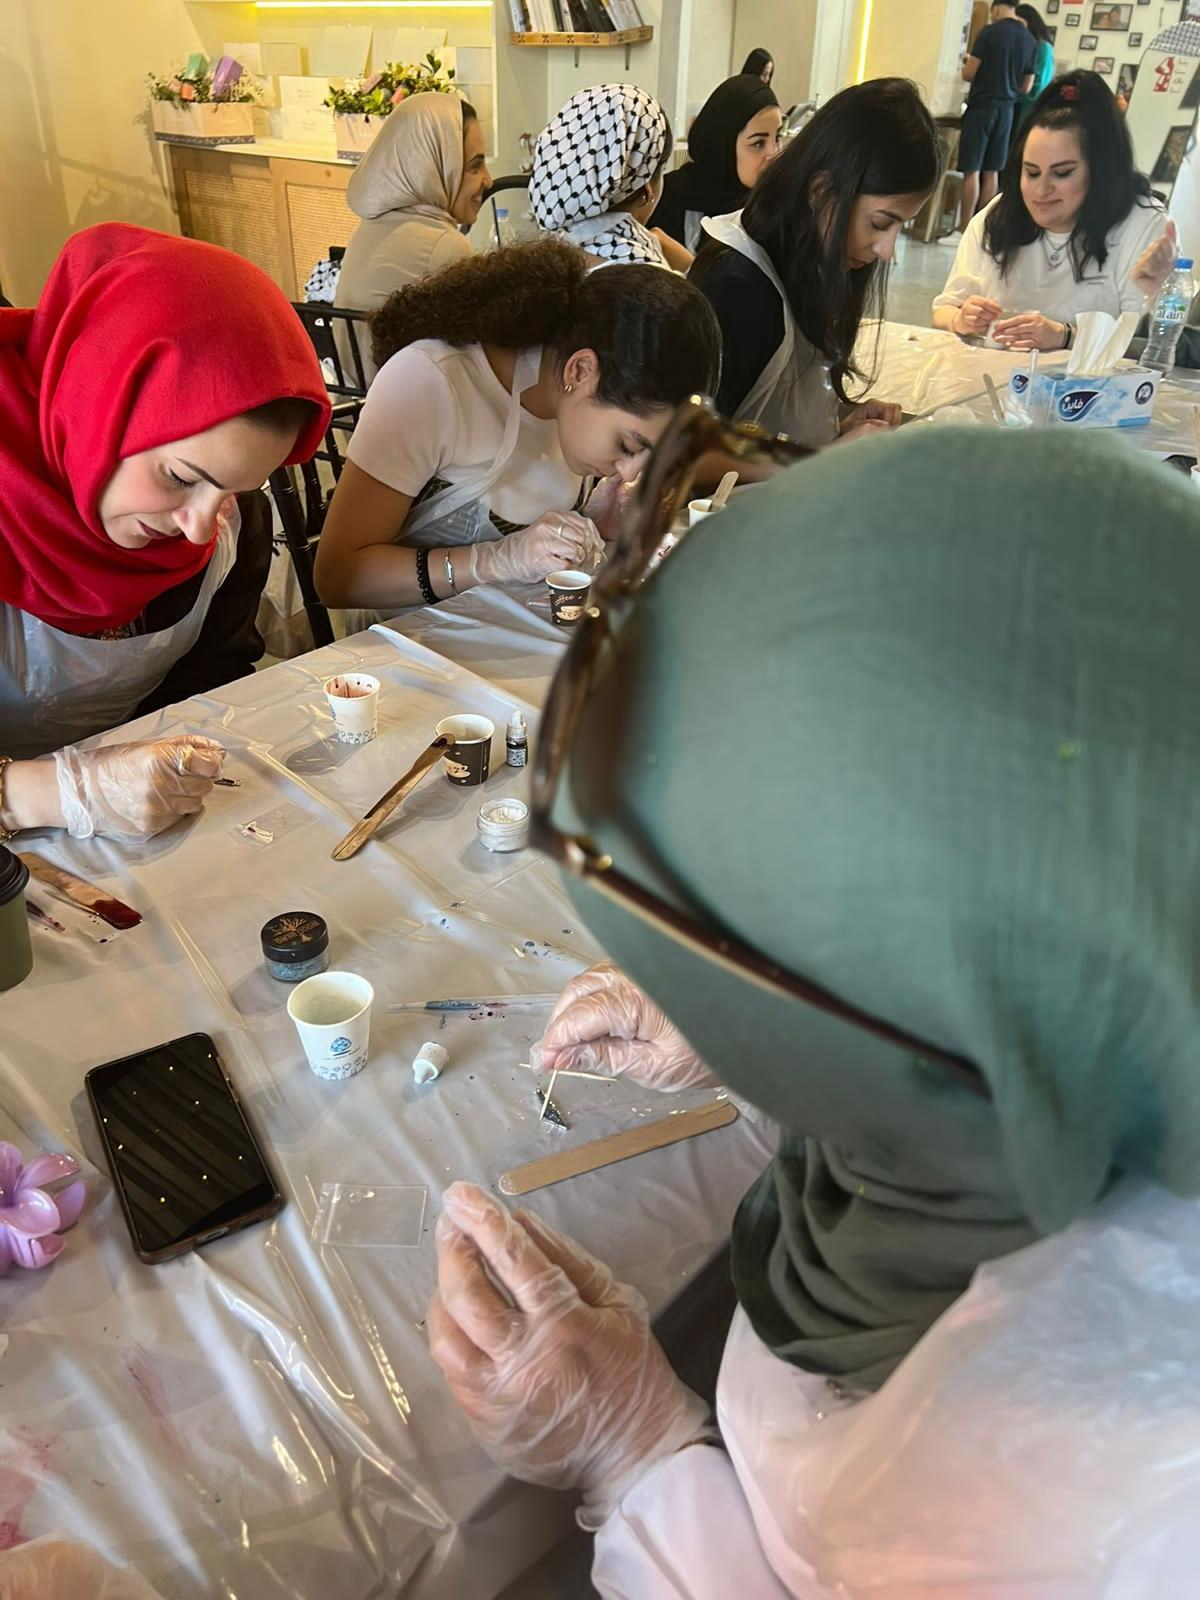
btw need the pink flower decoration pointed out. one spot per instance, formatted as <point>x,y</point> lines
<point>31,1219</point>
<point>400,94</point>
<point>175,86</point>
<point>187,91</point>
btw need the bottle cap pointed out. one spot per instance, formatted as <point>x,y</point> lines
<point>516,723</point>
<point>1182,261</point>
<point>294,936</point>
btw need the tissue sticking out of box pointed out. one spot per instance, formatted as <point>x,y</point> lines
<point>1100,342</point>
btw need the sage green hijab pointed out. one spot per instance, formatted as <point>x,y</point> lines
<point>920,720</point>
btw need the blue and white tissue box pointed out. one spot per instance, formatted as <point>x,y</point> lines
<point>1122,399</point>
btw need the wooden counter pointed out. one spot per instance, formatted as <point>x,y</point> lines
<point>272,203</point>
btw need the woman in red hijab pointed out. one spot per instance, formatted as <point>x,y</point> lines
<point>155,381</point>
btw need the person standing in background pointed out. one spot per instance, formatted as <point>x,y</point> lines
<point>1044,68</point>
<point>760,63</point>
<point>1000,67</point>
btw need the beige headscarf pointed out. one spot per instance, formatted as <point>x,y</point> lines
<point>415,162</point>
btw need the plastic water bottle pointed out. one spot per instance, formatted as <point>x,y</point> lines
<point>1168,318</point>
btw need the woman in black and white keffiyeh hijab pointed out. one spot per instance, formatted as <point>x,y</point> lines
<point>597,172</point>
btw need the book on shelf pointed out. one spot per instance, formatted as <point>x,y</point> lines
<point>625,14</point>
<point>598,17</point>
<point>519,15</point>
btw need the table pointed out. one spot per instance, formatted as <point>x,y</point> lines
<point>926,369</point>
<point>261,1419</point>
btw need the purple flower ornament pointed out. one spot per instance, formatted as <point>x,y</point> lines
<point>32,1218</point>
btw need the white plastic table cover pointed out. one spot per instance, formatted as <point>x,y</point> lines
<point>261,1419</point>
<point>926,369</point>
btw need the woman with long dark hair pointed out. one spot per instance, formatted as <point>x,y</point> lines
<point>503,383</point>
<point>1070,230</point>
<point>792,274</point>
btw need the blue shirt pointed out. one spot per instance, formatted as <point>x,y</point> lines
<point>1007,54</point>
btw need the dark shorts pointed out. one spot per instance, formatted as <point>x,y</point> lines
<point>986,130</point>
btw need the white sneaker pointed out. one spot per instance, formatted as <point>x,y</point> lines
<point>951,238</point>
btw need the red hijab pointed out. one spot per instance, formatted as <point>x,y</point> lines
<point>139,339</point>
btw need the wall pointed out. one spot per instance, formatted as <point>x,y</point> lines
<point>1146,20</point>
<point>920,40</point>
<point>710,56</point>
<point>74,125</point>
<point>787,31</point>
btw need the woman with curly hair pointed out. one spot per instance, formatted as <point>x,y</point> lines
<point>1074,228</point>
<point>503,384</point>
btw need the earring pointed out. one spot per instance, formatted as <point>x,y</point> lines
<point>568,388</point>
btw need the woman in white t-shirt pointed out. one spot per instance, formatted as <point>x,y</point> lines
<point>503,384</point>
<point>1074,228</point>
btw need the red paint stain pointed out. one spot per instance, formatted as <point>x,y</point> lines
<point>26,1465</point>
<point>144,1375</point>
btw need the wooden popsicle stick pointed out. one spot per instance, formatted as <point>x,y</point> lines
<point>387,803</point>
<point>618,1147</point>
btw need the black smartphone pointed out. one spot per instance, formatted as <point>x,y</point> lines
<point>183,1157</point>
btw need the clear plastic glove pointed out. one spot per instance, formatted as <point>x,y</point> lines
<point>132,791</point>
<point>54,1568</point>
<point>552,1360</point>
<point>560,539</point>
<point>976,315</point>
<point>603,1022</point>
<point>608,500</point>
<point>1030,330</point>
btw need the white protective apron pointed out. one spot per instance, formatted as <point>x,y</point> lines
<point>792,393</point>
<point>461,512</point>
<point>57,688</point>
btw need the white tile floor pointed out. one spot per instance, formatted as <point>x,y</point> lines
<point>918,273</point>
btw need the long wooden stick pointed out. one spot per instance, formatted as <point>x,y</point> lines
<point>387,803</point>
<point>618,1147</point>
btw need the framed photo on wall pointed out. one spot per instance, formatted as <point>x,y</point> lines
<point>1072,19</point>
<point>1103,64</point>
<point>1166,168</point>
<point>1135,41</point>
<point>1051,33</point>
<point>1051,7</point>
<point>1108,18</point>
<point>1126,79</point>
<point>1088,41</point>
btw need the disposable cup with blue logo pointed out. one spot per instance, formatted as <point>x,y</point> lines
<point>332,1013</point>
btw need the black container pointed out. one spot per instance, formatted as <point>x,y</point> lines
<point>295,945</point>
<point>16,952</point>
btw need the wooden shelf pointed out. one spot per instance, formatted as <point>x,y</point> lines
<point>587,41</point>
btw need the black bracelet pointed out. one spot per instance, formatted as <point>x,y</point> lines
<point>423,582</point>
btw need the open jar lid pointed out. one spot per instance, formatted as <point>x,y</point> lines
<point>294,936</point>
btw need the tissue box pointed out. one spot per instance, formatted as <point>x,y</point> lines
<point>1117,400</point>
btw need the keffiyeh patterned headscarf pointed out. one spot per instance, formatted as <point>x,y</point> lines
<point>605,144</point>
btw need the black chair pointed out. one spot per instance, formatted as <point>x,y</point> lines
<point>516,180</point>
<point>334,334</point>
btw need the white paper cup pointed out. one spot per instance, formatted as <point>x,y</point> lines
<point>699,509</point>
<point>469,759</point>
<point>332,1013</point>
<point>569,591</point>
<point>354,700</point>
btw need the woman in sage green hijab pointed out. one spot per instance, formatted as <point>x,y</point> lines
<point>922,727</point>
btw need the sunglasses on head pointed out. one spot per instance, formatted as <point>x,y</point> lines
<point>660,499</point>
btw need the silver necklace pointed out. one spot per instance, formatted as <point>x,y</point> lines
<point>1055,254</point>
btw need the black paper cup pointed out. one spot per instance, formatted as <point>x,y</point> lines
<point>569,592</point>
<point>469,759</point>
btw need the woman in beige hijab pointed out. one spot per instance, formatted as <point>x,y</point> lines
<point>423,179</point>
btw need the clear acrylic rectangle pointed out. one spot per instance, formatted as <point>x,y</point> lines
<point>370,1216</point>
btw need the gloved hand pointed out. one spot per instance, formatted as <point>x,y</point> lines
<point>562,1382</point>
<point>602,1022</point>
<point>53,1568</point>
<point>560,539</point>
<point>132,791</point>
<point>608,501</point>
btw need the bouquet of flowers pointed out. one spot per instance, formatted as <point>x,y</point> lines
<point>377,95</point>
<point>224,83</point>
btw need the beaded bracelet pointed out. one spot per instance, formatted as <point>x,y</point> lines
<point>6,833</point>
<point>423,582</point>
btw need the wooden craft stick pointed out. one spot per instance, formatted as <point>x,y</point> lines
<point>993,398</point>
<point>618,1147</point>
<point>548,1093</point>
<point>573,1072</point>
<point>1196,429</point>
<point>387,803</point>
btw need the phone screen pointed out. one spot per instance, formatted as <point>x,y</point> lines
<point>181,1152</point>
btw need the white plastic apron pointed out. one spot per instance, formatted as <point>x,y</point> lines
<point>56,688</point>
<point>792,394</point>
<point>460,513</point>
